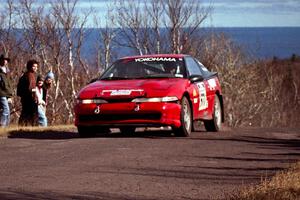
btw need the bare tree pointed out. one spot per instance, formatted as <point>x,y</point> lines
<point>54,36</point>
<point>239,78</point>
<point>10,45</point>
<point>71,29</point>
<point>129,19</point>
<point>144,24</point>
<point>105,39</point>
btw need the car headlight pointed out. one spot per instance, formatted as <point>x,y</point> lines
<point>89,101</point>
<point>155,99</point>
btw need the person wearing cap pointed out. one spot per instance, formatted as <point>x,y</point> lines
<point>48,81</point>
<point>41,104</point>
<point>49,78</point>
<point>6,91</point>
<point>28,95</point>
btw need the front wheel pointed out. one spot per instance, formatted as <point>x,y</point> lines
<point>185,118</point>
<point>215,124</point>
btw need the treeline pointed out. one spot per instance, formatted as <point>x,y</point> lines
<point>54,34</point>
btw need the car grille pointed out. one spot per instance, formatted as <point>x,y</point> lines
<point>118,117</point>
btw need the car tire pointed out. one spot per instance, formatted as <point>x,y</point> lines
<point>215,124</point>
<point>185,118</point>
<point>127,130</point>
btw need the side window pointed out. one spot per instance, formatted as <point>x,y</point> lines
<point>204,70</point>
<point>202,66</point>
<point>192,66</point>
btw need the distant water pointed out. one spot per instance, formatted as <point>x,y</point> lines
<point>268,42</point>
<point>265,42</point>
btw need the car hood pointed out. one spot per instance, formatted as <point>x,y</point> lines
<point>134,88</point>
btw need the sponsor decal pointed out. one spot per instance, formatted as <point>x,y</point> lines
<point>122,92</point>
<point>212,84</point>
<point>195,100</point>
<point>203,104</point>
<point>179,75</point>
<point>154,59</point>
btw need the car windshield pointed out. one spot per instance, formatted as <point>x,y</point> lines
<point>143,68</point>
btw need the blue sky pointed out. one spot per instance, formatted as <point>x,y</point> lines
<point>232,13</point>
<point>240,13</point>
<point>256,13</point>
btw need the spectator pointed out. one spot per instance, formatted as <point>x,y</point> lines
<point>5,91</point>
<point>47,84</point>
<point>41,104</point>
<point>41,94</point>
<point>26,90</point>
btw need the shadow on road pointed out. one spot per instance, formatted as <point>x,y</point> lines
<point>55,135</point>
<point>157,134</point>
<point>30,195</point>
<point>197,174</point>
<point>261,142</point>
<point>249,159</point>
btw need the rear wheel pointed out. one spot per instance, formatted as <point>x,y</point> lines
<point>215,124</point>
<point>185,118</point>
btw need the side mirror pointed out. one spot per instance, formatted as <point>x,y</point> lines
<point>196,78</point>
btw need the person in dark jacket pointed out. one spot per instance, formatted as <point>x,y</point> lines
<point>5,91</point>
<point>28,97</point>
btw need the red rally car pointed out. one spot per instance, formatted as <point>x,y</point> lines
<point>170,90</point>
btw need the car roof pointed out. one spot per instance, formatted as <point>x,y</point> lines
<point>156,55</point>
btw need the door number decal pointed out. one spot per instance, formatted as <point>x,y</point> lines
<point>203,103</point>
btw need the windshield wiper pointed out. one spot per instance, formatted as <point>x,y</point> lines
<point>160,76</point>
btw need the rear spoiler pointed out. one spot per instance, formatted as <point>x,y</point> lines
<point>210,75</point>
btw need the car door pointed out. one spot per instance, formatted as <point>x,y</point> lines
<point>212,84</point>
<point>201,95</point>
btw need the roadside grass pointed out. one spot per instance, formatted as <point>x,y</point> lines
<point>6,132</point>
<point>285,185</point>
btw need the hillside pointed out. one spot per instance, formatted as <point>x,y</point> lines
<point>283,78</point>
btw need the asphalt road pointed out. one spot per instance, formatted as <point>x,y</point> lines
<point>144,166</point>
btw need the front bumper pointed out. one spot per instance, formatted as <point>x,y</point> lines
<point>126,114</point>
